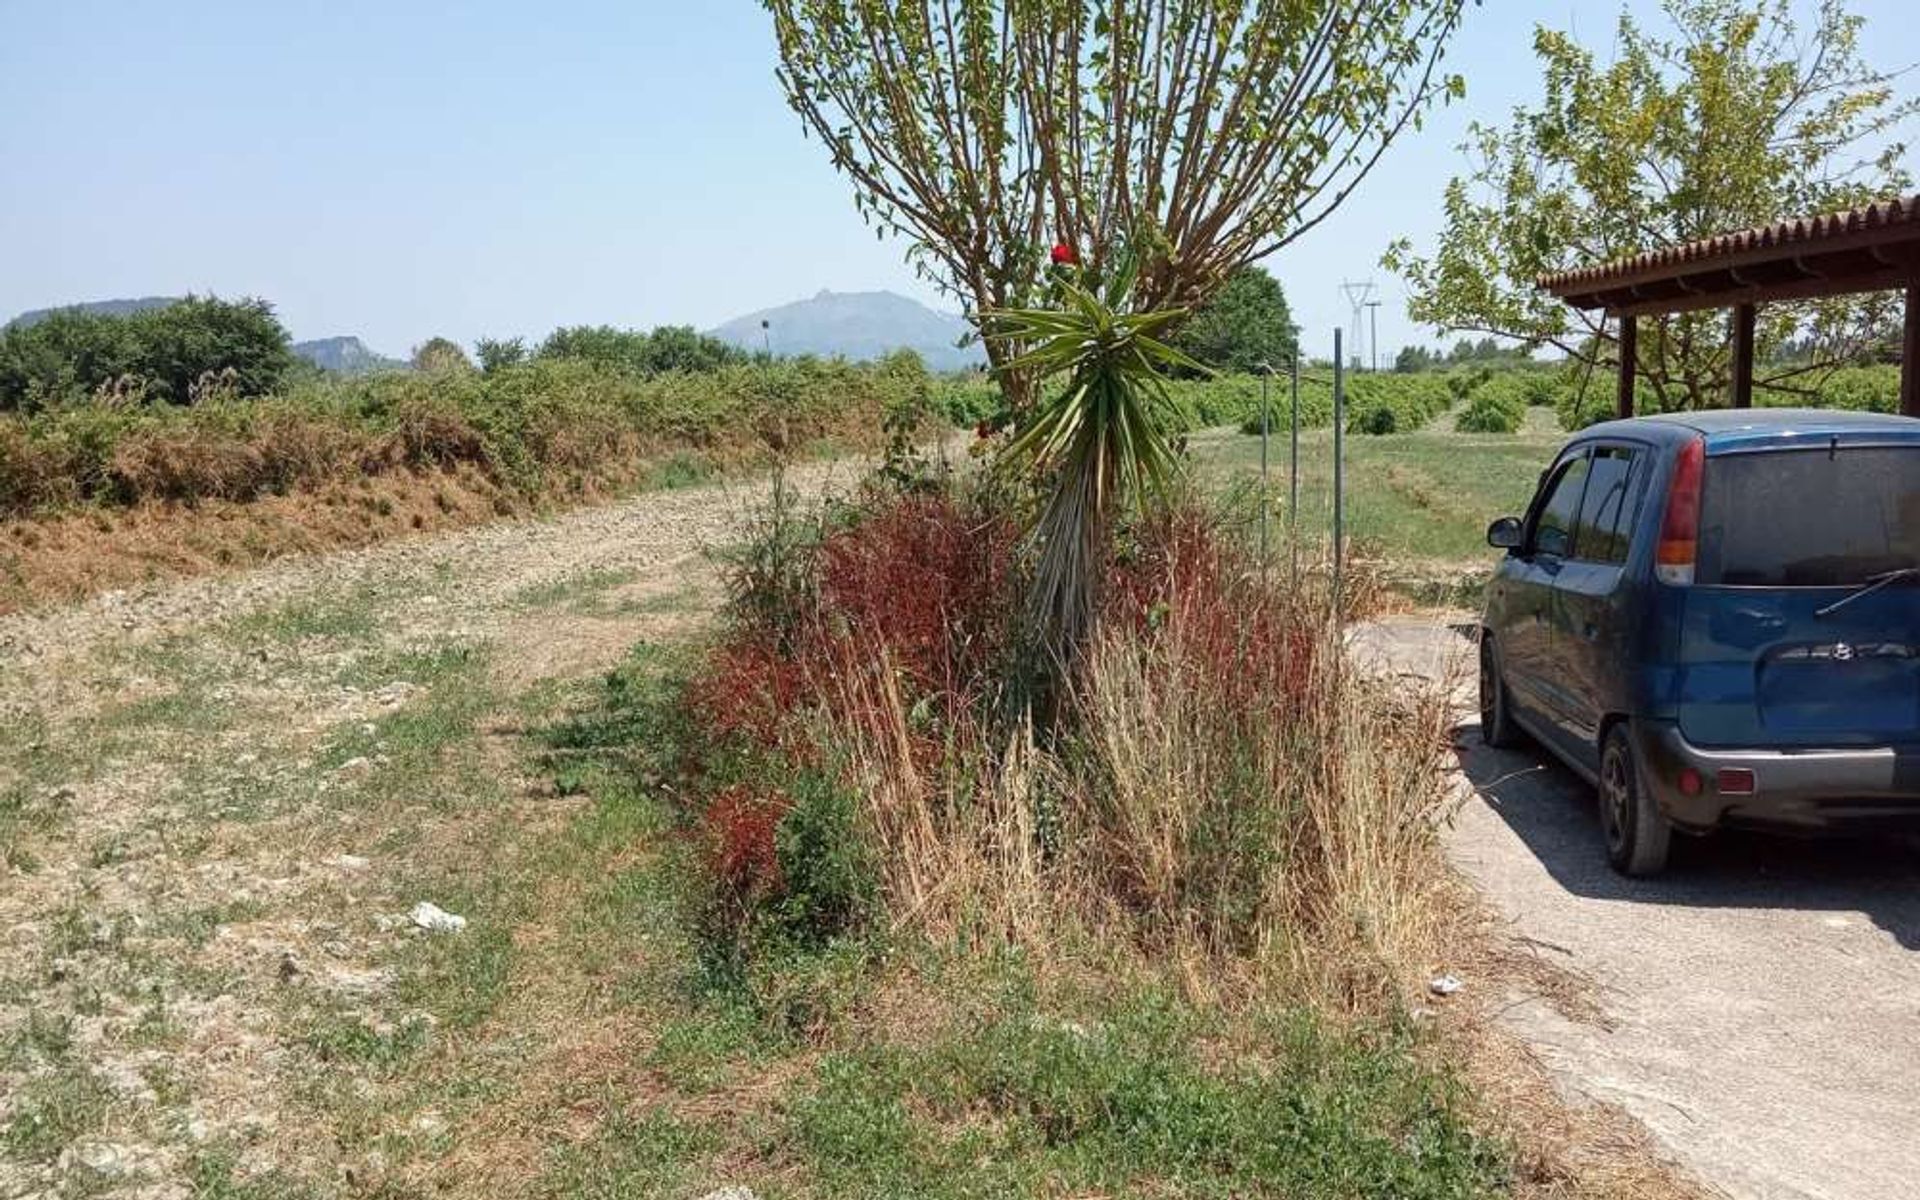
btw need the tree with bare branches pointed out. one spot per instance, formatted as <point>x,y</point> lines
<point>1197,135</point>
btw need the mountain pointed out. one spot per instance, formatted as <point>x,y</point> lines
<point>104,308</point>
<point>856,325</point>
<point>347,355</point>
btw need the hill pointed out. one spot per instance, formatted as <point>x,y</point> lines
<point>104,308</point>
<point>856,326</point>
<point>347,355</point>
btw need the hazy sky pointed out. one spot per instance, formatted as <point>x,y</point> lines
<point>400,170</point>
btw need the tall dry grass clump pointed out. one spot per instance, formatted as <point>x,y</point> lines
<point>1219,784</point>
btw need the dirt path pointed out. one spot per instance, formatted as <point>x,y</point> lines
<point>220,799</point>
<point>1761,1001</point>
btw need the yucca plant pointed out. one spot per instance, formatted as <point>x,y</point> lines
<point>1098,442</point>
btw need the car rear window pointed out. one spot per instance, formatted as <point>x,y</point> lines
<point>1809,518</point>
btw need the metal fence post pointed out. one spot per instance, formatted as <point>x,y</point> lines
<point>1266,494</point>
<point>1339,465</point>
<point>1293,476</point>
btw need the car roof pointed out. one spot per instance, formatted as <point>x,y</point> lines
<point>1747,426</point>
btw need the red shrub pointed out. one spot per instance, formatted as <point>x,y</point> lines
<point>1260,646</point>
<point>748,690</point>
<point>929,582</point>
<point>738,828</point>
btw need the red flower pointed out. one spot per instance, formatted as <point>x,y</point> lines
<point>1063,256</point>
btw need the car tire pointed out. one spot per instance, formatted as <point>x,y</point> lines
<point>1637,833</point>
<point>1497,726</point>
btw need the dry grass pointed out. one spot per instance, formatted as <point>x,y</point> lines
<point>1220,786</point>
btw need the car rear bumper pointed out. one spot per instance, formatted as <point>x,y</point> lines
<point>1804,788</point>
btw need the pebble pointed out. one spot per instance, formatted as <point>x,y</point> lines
<point>434,919</point>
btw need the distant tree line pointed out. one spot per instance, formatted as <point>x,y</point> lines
<point>1465,352</point>
<point>204,346</point>
<point>174,354</point>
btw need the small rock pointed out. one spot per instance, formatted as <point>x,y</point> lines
<point>354,765</point>
<point>434,919</point>
<point>395,694</point>
<point>731,1192</point>
<point>104,1159</point>
<point>1445,985</point>
<point>429,1124</point>
<point>350,862</point>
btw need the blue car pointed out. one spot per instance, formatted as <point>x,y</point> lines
<point>1715,618</point>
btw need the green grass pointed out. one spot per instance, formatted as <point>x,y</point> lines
<point>1412,497</point>
<point>54,1109</point>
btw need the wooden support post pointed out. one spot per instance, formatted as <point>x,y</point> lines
<point>1743,355</point>
<point>1629,358</point>
<point>1910,354</point>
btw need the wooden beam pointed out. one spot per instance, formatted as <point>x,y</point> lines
<point>1743,315</point>
<point>1880,280</point>
<point>1630,355</point>
<point>1893,239</point>
<point>1910,354</point>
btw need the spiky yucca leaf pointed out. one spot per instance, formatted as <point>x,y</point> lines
<point>1102,438</point>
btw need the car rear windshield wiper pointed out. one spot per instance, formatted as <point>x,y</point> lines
<point>1874,583</point>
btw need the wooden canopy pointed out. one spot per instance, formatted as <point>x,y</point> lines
<point>1871,249</point>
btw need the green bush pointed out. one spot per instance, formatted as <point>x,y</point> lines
<point>1379,420</point>
<point>1858,389</point>
<point>1412,401</point>
<point>826,862</point>
<point>178,353</point>
<point>668,348</point>
<point>968,400</point>
<point>1491,413</point>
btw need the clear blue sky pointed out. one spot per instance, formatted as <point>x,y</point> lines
<point>400,170</point>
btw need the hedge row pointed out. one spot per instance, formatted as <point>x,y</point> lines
<point>528,427</point>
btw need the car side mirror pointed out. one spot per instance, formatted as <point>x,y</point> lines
<point>1505,534</point>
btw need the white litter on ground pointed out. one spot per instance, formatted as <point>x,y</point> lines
<point>434,919</point>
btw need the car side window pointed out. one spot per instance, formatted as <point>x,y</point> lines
<point>1558,515</point>
<point>1607,512</point>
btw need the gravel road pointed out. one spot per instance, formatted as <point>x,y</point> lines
<point>1761,1001</point>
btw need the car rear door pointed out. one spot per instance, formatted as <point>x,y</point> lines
<point>1593,596</point>
<point>1786,639</point>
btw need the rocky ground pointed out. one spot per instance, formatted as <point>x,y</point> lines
<point>232,813</point>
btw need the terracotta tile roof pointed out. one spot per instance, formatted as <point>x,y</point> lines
<point>1787,238</point>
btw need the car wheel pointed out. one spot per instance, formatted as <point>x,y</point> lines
<point>1638,835</point>
<point>1496,717</point>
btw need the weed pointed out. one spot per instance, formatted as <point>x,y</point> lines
<point>1025,1102</point>
<point>51,1110</point>
<point>351,1039</point>
<point>635,1152</point>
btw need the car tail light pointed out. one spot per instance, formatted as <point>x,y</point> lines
<point>1734,781</point>
<point>1690,782</point>
<point>1680,527</point>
